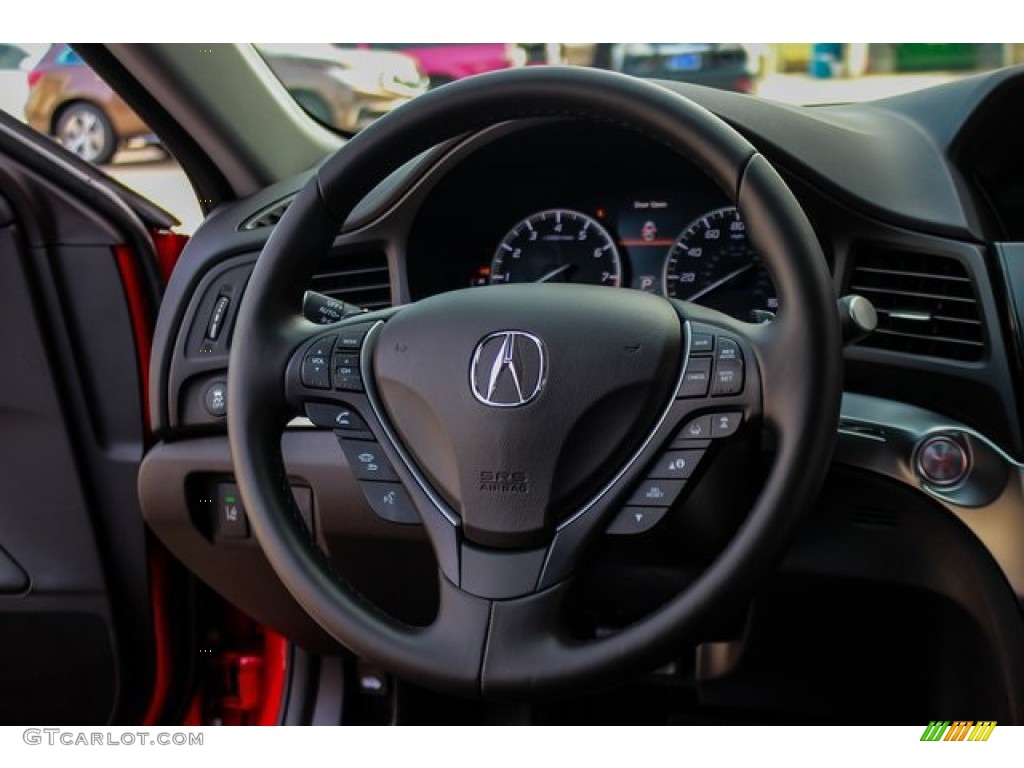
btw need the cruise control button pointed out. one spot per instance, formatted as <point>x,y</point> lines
<point>636,520</point>
<point>725,424</point>
<point>352,337</point>
<point>696,429</point>
<point>728,378</point>
<point>696,378</point>
<point>656,493</point>
<point>367,460</point>
<point>391,502</point>
<point>701,343</point>
<point>728,349</point>
<point>339,417</point>
<point>676,465</point>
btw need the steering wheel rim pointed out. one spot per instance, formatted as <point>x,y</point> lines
<point>508,646</point>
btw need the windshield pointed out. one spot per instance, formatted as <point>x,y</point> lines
<point>348,85</point>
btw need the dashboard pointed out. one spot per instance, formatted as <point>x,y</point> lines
<point>916,203</point>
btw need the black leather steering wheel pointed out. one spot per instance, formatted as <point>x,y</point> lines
<point>515,422</point>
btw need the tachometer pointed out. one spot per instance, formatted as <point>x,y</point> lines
<point>557,246</point>
<point>714,264</point>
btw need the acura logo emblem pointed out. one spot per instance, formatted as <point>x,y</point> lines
<point>508,369</point>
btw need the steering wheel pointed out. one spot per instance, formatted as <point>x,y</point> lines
<point>516,423</point>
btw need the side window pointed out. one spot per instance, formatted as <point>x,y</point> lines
<point>53,90</point>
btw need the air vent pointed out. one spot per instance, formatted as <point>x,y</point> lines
<point>361,278</point>
<point>926,303</point>
<point>268,217</point>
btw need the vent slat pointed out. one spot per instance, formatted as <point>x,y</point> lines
<point>926,303</point>
<point>906,273</point>
<point>350,274</point>
<point>360,278</point>
<point>939,318</point>
<point>914,294</point>
<point>929,337</point>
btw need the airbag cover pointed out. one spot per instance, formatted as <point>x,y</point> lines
<point>518,402</point>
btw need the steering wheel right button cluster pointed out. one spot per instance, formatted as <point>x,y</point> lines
<point>667,478</point>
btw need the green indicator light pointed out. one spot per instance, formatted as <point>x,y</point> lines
<point>229,499</point>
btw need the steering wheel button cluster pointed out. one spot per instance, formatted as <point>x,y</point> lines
<point>656,493</point>
<point>696,378</point>
<point>367,461</point>
<point>675,465</point>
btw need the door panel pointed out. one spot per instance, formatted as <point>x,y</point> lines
<point>76,646</point>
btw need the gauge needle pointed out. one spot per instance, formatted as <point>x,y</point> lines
<point>720,282</point>
<point>556,272</point>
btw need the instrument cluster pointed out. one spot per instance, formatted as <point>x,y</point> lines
<point>602,208</point>
<point>644,245</point>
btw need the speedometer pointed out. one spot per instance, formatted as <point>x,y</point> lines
<point>557,246</point>
<point>714,264</point>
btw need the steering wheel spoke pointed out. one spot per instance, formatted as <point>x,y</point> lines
<point>717,399</point>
